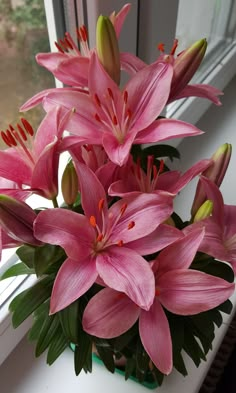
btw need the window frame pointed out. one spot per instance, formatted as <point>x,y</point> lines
<point>189,110</point>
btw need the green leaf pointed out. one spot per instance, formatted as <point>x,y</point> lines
<point>226,307</point>
<point>192,348</point>
<point>161,151</point>
<point>26,255</point>
<point>58,344</point>
<point>17,270</point>
<point>70,322</point>
<point>215,316</point>
<point>46,256</point>
<point>178,362</point>
<point>39,316</point>
<point>29,300</point>
<point>176,324</point>
<point>106,356</point>
<point>82,352</point>
<point>129,367</point>
<point>124,339</point>
<point>158,375</point>
<point>217,269</point>
<point>49,328</point>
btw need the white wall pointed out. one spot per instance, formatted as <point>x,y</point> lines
<point>219,125</point>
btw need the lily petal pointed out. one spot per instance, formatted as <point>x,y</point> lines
<point>109,314</point>
<point>126,271</point>
<point>155,336</point>
<point>189,292</point>
<point>200,90</point>
<point>72,281</point>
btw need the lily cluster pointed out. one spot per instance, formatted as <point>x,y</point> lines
<point>115,263</point>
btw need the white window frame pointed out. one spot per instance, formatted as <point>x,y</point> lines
<point>156,30</point>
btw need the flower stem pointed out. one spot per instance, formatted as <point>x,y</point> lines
<point>54,201</point>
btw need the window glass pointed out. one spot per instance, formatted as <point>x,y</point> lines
<point>23,33</point>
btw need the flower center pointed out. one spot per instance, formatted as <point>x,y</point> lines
<point>20,138</point>
<point>68,45</point>
<point>107,224</point>
<point>148,181</point>
<point>115,120</point>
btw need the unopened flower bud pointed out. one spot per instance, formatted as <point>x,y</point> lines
<point>17,218</point>
<point>69,184</point>
<point>186,64</point>
<point>107,47</point>
<point>204,211</point>
<point>215,172</point>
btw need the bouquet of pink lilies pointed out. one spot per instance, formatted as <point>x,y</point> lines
<point>117,269</point>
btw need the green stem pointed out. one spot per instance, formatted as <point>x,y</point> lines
<point>54,201</point>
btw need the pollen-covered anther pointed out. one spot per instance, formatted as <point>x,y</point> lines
<point>123,208</point>
<point>92,221</point>
<point>100,237</point>
<point>125,96</point>
<point>110,93</point>
<point>120,243</point>
<point>100,204</point>
<point>97,117</point>
<point>161,47</point>
<point>131,224</point>
<point>114,120</point>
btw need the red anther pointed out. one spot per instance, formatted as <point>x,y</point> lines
<point>11,138</point>
<point>27,126</point>
<point>11,128</point>
<point>110,93</point>
<point>161,47</point>
<point>131,224</point>
<point>98,102</point>
<point>157,292</point>
<point>100,204</point>
<point>78,34</point>
<point>120,243</point>
<point>129,113</point>
<point>173,49</point>
<point>100,237</point>
<point>68,43</point>
<point>125,96</point>
<point>114,120</point>
<point>123,208</point>
<point>5,139</point>
<point>88,148</point>
<point>58,47</point>
<point>154,171</point>
<point>97,117</point>
<point>63,44</point>
<point>83,33</point>
<point>161,168</point>
<point>22,132</point>
<point>150,160</point>
<point>92,221</point>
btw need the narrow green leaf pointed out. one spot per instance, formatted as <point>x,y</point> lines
<point>216,317</point>
<point>161,151</point>
<point>192,348</point>
<point>178,362</point>
<point>58,344</point>
<point>81,354</point>
<point>218,269</point>
<point>17,270</point>
<point>49,328</point>
<point>26,255</point>
<point>129,367</point>
<point>47,256</point>
<point>29,300</point>
<point>39,316</point>
<point>70,322</point>
<point>226,307</point>
<point>106,356</point>
<point>158,375</point>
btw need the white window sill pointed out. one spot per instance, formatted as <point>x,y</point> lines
<point>33,375</point>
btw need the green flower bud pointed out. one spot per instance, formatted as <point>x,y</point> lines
<point>204,211</point>
<point>107,47</point>
<point>69,184</point>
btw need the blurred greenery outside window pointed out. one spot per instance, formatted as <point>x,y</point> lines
<point>23,34</point>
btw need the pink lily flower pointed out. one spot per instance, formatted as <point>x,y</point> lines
<point>178,289</point>
<point>102,242</point>
<point>70,64</point>
<point>220,228</point>
<point>117,119</point>
<point>34,162</point>
<point>135,180</point>
<point>185,64</point>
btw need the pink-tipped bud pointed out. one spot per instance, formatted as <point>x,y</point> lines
<point>185,66</point>
<point>204,211</point>
<point>69,184</point>
<point>107,47</point>
<point>215,172</point>
<point>17,218</point>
